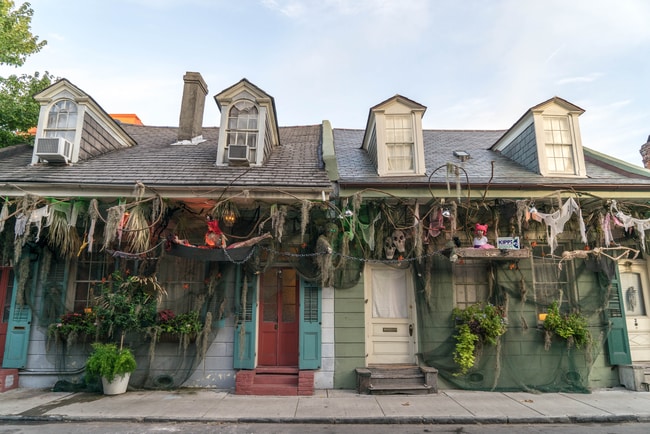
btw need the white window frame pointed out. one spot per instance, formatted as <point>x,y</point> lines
<point>559,145</point>
<point>243,127</point>
<point>62,120</point>
<point>400,143</point>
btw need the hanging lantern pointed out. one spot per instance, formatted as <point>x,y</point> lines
<point>229,217</point>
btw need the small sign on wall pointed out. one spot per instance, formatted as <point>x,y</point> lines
<point>510,243</point>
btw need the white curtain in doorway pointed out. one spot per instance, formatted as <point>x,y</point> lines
<point>389,296</point>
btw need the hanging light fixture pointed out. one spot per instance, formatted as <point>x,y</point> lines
<point>229,217</point>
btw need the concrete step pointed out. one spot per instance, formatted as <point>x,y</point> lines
<point>397,379</point>
<point>279,379</point>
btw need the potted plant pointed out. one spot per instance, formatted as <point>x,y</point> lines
<point>114,365</point>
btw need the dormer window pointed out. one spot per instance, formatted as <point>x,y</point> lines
<point>62,120</point>
<point>242,131</point>
<point>72,127</point>
<point>248,130</point>
<point>400,143</point>
<point>546,140</point>
<point>394,139</point>
<point>559,146</point>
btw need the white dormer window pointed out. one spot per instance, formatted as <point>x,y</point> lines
<point>546,140</point>
<point>559,145</point>
<point>400,143</point>
<point>248,132</point>
<point>394,139</point>
<point>62,120</point>
<point>242,131</point>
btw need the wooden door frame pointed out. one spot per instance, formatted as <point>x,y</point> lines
<point>369,269</point>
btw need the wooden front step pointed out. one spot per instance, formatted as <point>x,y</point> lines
<point>280,381</point>
<point>397,379</point>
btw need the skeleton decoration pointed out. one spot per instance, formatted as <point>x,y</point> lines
<point>399,240</point>
<point>389,248</point>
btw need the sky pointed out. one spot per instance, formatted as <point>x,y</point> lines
<point>475,64</point>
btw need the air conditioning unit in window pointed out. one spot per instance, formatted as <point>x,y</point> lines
<point>238,153</point>
<point>54,149</point>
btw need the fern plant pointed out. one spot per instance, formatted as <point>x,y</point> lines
<point>109,361</point>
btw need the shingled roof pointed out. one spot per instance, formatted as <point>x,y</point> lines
<point>483,167</point>
<point>155,162</point>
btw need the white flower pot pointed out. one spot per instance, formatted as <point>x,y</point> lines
<point>117,386</point>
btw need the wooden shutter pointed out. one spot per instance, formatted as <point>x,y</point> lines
<point>245,311</point>
<point>310,325</point>
<point>618,344</point>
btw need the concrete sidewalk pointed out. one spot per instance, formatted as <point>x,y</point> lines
<point>327,406</point>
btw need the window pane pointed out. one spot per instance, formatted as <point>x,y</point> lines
<point>471,285</point>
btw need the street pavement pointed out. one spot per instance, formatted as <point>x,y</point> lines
<point>327,407</point>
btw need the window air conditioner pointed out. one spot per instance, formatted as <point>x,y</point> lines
<point>238,153</point>
<point>54,149</point>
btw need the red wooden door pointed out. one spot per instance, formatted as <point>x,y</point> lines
<point>278,325</point>
<point>6,285</point>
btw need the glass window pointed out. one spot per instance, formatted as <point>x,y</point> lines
<point>551,281</point>
<point>242,124</point>
<point>471,283</point>
<point>62,120</point>
<point>559,146</point>
<point>400,143</point>
<point>632,294</point>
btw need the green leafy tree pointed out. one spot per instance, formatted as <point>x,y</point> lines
<point>18,110</point>
<point>16,38</point>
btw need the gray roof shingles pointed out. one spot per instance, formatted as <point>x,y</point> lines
<point>356,167</point>
<point>154,161</point>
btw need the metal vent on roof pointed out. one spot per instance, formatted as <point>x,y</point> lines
<point>461,155</point>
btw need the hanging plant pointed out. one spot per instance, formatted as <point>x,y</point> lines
<point>572,326</point>
<point>476,325</point>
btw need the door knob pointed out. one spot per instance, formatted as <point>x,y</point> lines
<point>410,329</point>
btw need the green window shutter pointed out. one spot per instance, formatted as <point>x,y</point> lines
<point>310,325</point>
<point>18,330</point>
<point>618,344</point>
<point>245,327</point>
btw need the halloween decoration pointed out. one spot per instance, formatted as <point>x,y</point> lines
<point>214,237</point>
<point>399,241</point>
<point>555,221</point>
<point>480,240</point>
<point>389,248</point>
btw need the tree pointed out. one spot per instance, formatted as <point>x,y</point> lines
<point>18,110</point>
<point>16,39</point>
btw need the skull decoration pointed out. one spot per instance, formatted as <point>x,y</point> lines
<point>389,248</point>
<point>399,240</point>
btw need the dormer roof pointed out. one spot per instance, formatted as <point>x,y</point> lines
<point>92,133</point>
<point>260,139</point>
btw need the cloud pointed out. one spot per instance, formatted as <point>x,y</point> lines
<point>580,79</point>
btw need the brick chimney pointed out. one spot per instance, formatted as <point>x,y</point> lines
<point>195,90</point>
<point>645,154</point>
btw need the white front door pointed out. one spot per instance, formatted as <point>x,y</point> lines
<point>634,289</point>
<point>390,315</point>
